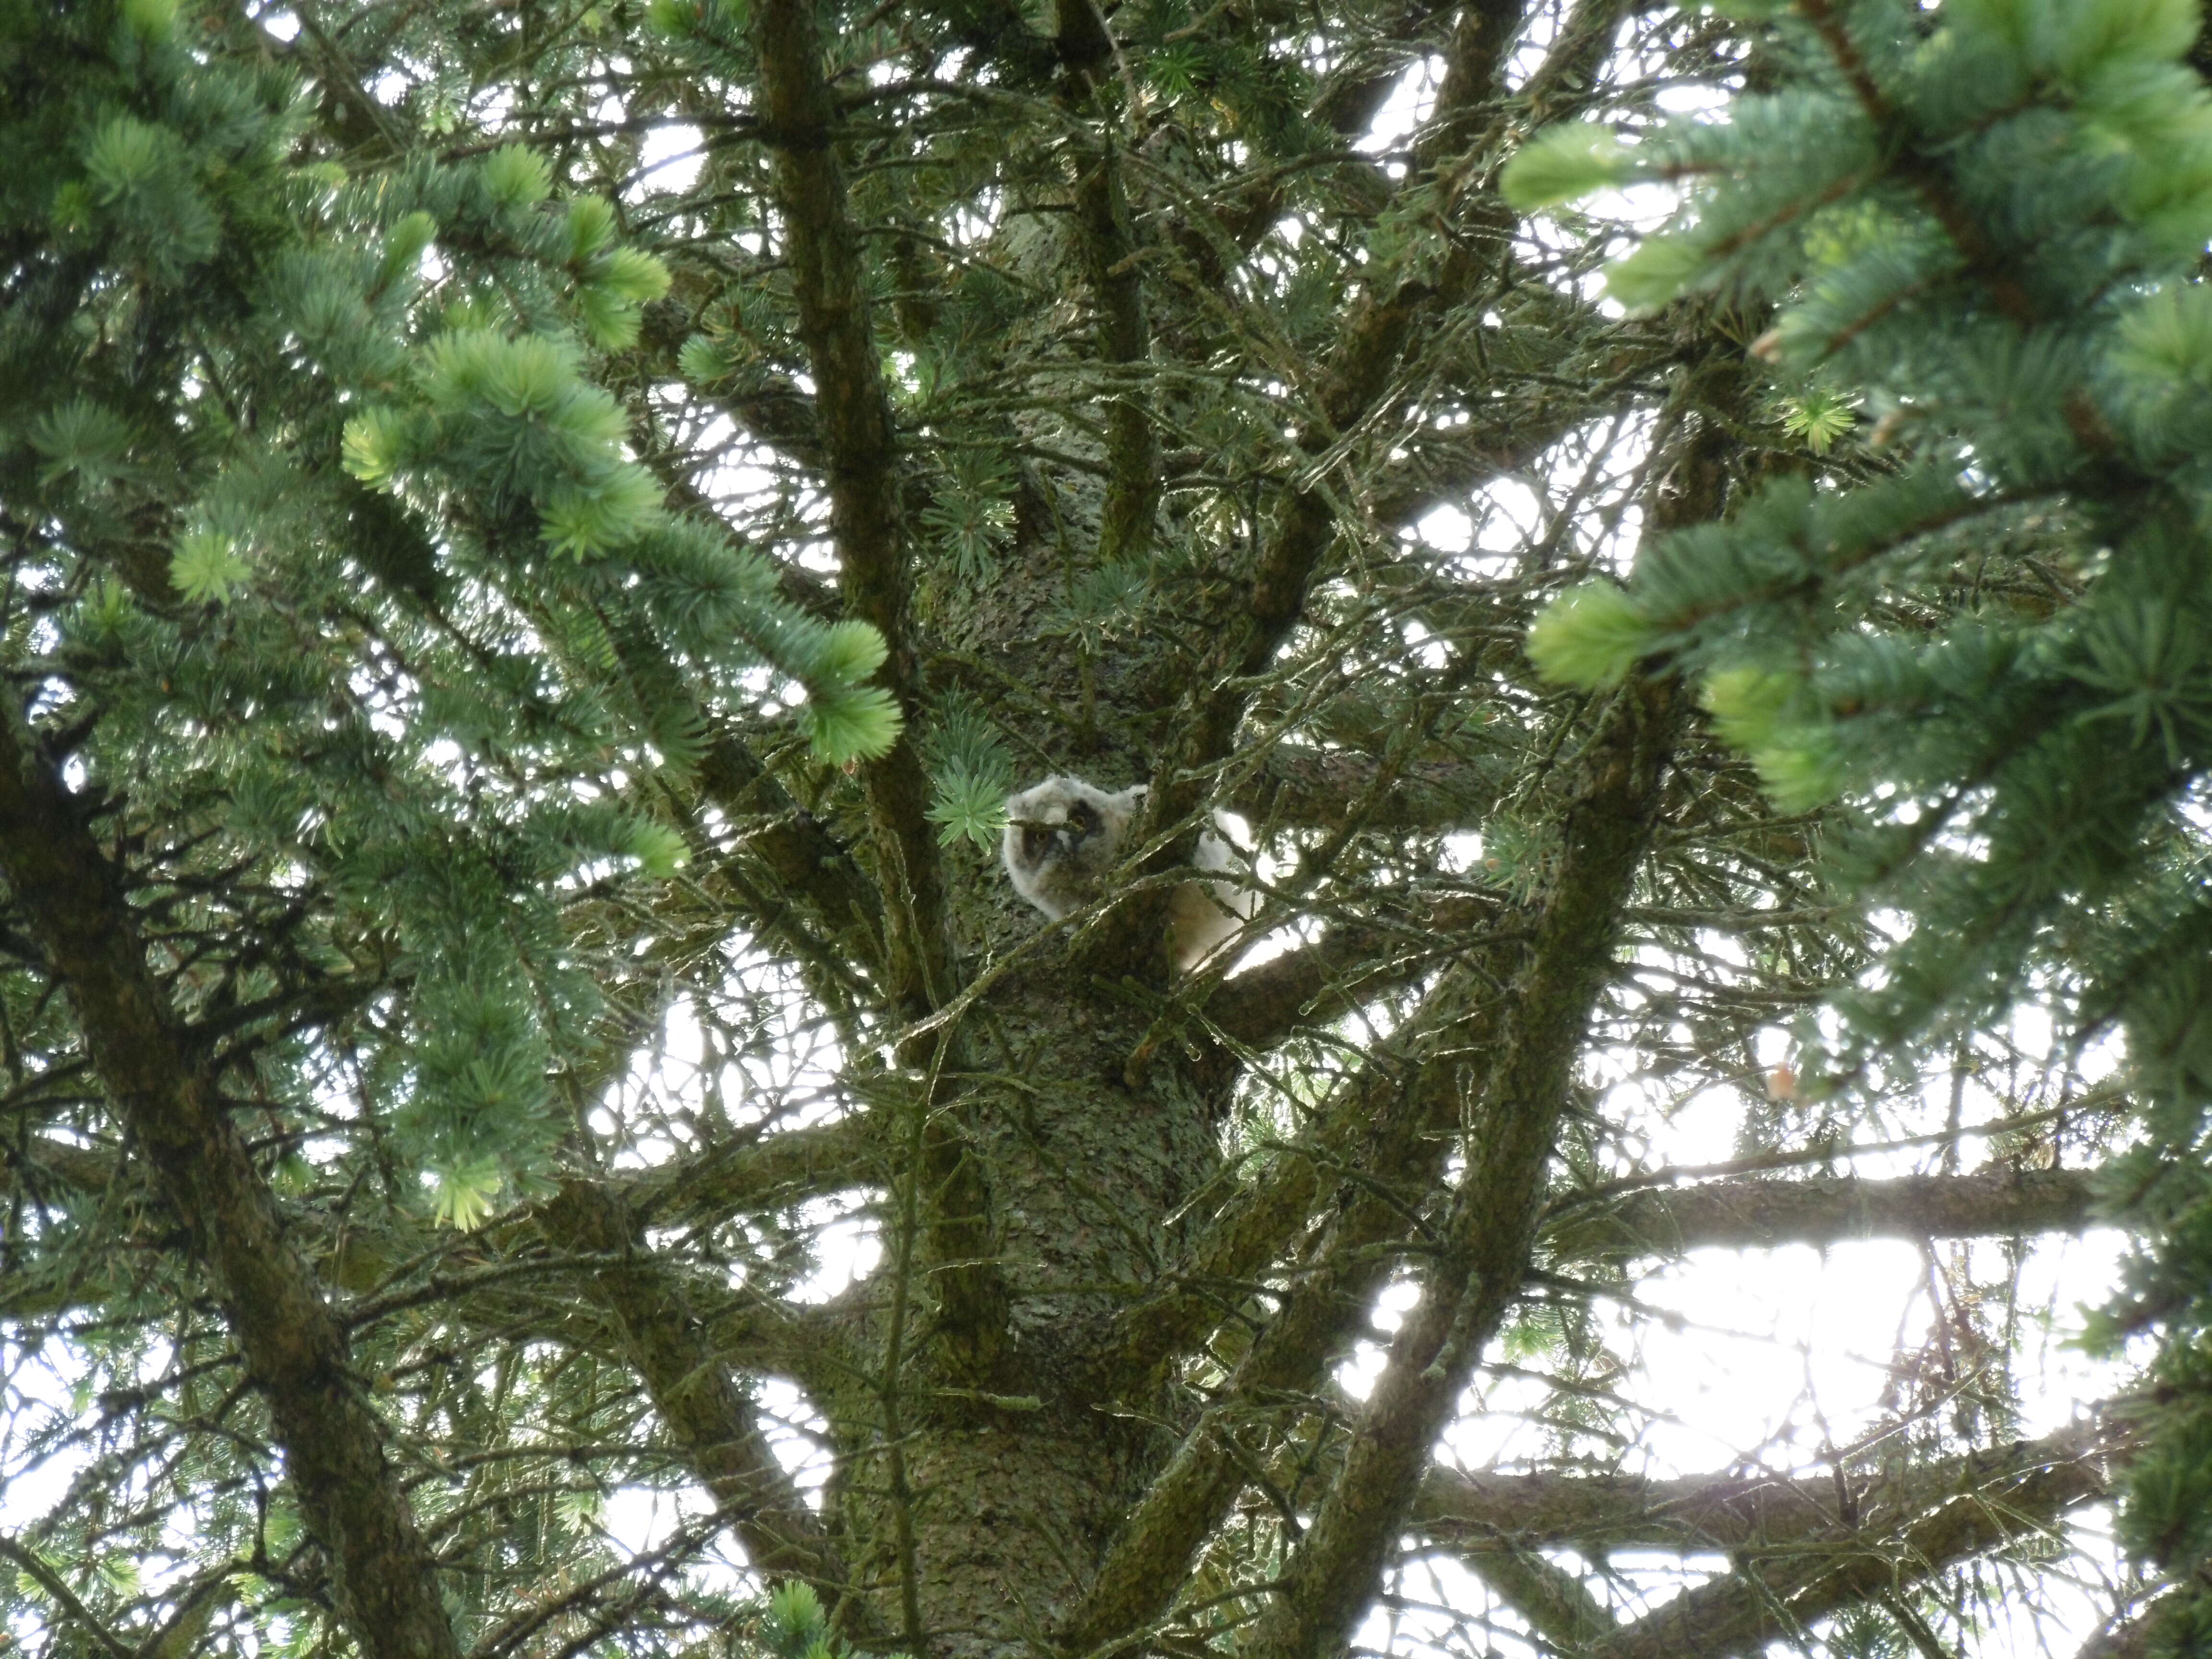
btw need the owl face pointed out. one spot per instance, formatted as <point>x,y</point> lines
<point>1061,836</point>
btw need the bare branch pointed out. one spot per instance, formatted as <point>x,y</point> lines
<point>1828,1210</point>
<point>1475,1513</point>
<point>1998,1498</point>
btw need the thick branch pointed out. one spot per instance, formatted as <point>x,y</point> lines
<point>1408,1101</point>
<point>1999,1498</point>
<point>829,282</point>
<point>162,1083</point>
<point>778,1169</point>
<point>1552,1600</point>
<point>704,1407</point>
<point>2138,1636</point>
<point>1389,1124</point>
<point>1475,1513</point>
<point>1116,274</point>
<point>1483,1250</point>
<point>830,278</point>
<point>1828,1210</point>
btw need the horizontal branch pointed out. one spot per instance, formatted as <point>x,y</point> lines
<point>778,1169</point>
<point>1315,788</point>
<point>1996,1499</point>
<point>1820,1210</point>
<point>484,1279</point>
<point>1476,1513</point>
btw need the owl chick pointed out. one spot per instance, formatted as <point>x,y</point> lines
<point>1064,835</point>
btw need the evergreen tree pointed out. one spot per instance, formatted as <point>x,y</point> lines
<point>1993,249</point>
<point>513,664</point>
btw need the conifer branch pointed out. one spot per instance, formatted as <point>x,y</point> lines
<point>1473,1512</point>
<point>854,418</point>
<point>1359,372</point>
<point>777,1169</point>
<point>1117,282</point>
<point>29,1562</point>
<point>1481,1250</point>
<point>2138,1634</point>
<point>1389,1128</point>
<point>1923,173</point>
<point>705,1409</point>
<point>1313,788</point>
<point>1552,1600</point>
<point>1347,966</point>
<point>1384,1124</point>
<point>1993,1499</point>
<point>161,1084</point>
<point>796,854</point>
<point>854,414</point>
<point>1824,1210</point>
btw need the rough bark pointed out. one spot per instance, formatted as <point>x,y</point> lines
<point>1475,1512</point>
<point>1829,1210</point>
<point>2000,1498</point>
<point>861,449</point>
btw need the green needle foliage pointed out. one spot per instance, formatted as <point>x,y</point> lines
<point>351,576</point>
<point>1986,224</point>
<point>536,538</point>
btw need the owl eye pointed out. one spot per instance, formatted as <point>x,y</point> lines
<point>1036,844</point>
<point>1082,820</point>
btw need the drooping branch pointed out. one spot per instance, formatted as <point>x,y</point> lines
<point>75,1615</point>
<point>1556,1604</point>
<point>163,1085</point>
